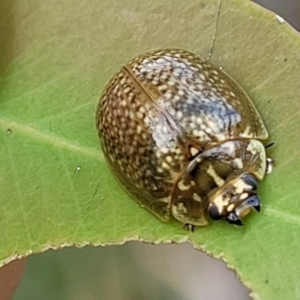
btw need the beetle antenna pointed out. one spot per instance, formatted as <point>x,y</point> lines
<point>270,144</point>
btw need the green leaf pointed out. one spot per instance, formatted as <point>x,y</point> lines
<point>56,189</point>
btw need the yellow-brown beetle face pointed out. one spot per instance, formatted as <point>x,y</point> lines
<point>222,181</point>
<point>182,138</point>
<point>234,200</point>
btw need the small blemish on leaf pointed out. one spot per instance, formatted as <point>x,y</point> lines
<point>77,169</point>
<point>279,19</point>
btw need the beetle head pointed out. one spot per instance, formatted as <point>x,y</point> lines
<point>234,199</point>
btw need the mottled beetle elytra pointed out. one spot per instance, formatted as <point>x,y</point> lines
<point>183,138</point>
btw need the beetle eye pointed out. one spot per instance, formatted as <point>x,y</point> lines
<point>251,180</point>
<point>214,212</point>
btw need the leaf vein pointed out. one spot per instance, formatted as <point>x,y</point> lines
<point>51,139</point>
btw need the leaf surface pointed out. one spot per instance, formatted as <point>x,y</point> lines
<point>55,187</point>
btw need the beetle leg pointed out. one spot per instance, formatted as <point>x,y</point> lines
<point>270,165</point>
<point>232,218</point>
<point>189,227</point>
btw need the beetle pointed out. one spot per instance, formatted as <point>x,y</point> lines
<point>183,138</point>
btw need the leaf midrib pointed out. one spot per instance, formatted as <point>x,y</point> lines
<point>49,138</point>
